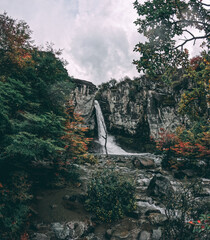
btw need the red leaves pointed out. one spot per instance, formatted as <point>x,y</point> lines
<point>188,149</point>
<point>24,236</point>
<point>171,142</point>
<point>195,62</point>
<point>166,140</point>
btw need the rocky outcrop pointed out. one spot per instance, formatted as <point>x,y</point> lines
<point>134,110</point>
<point>124,108</point>
<point>162,104</point>
<point>82,97</point>
<point>138,109</point>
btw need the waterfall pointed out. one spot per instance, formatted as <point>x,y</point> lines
<point>112,147</point>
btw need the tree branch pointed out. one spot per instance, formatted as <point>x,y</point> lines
<point>185,30</point>
<point>205,4</point>
<point>191,21</point>
<point>191,39</point>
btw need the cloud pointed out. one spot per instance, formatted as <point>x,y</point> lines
<point>98,37</point>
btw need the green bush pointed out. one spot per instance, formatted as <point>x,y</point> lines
<point>110,196</point>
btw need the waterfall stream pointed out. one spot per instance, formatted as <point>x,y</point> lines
<point>112,147</point>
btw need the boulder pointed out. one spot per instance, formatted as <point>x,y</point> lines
<point>157,218</point>
<point>40,236</point>
<point>61,231</point>
<point>144,162</point>
<point>119,234</point>
<point>125,229</point>
<point>144,235</point>
<point>72,230</point>
<point>79,229</point>
<point>156,234</point>
<point>159,186</point>
<point>91,236</point>
<point>145,208</point>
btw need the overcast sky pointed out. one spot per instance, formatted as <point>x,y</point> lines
<point>97,36</point>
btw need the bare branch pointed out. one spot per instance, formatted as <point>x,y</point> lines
<point>185,30</point>
<point>205,4</point>
<point>191,39</point>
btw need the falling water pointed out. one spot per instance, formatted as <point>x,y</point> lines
<point>112,147</point>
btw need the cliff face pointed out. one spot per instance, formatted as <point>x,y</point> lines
<point>162,105</point>
<point>83,97</point>
<point>133,110</point>
<point>124,108</point>
<point>136,110</point>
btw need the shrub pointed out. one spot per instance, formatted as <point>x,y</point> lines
<point>183,208</point>
<point>188,144</point>
<point>87,158</point>
<point>110,196</point>
<point>14,210</point>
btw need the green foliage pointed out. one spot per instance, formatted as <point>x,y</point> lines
<point>110,196</point>
<point>194,102</point>
<point>161,22</point>
<point>34,86</point>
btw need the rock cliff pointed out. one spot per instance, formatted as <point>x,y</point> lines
<point>83,97</point>
<point>134,111</point>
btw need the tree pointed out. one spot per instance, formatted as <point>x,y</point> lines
<point>195,102</point>
<point>32,119</point>
<point>162,22</point>
<point>15,44</point>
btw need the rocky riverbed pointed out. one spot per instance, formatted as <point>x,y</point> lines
<point>60,213</point>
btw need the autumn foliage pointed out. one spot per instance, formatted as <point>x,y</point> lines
<point>75,140</point>
<point>173,145</point>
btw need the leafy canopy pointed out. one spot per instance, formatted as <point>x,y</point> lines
<point>163,22</point>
